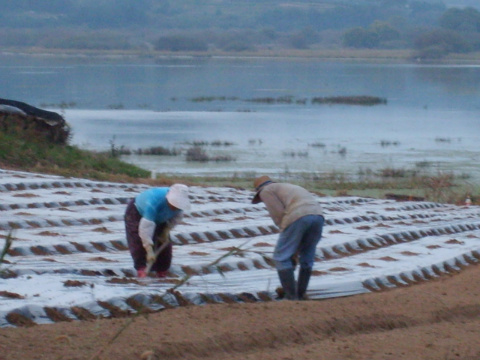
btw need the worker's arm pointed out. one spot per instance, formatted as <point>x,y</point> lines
<point>275,207</point>
<point>146,229</point>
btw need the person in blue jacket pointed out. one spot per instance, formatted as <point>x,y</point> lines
<point>148,220</point>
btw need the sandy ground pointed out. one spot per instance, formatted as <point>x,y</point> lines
<point>438,319</point>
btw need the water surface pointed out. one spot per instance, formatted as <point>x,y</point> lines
<point>431,116</point>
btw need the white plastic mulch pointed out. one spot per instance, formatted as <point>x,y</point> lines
<point>69,259</point>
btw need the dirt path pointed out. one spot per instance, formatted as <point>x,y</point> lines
<point>439,319</point>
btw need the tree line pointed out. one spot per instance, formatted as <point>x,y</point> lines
<point>429,27</point>
<point>457,31</point>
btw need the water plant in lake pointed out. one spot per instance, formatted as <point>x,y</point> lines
<point>255,141</point>
<point>385,143</point>
<point>211,143</point>
<point>198,153</point>
<point>317,145</point>
<point>295,153</point>
<point>213,98</point>
<point>350,100</point>
<point>158,150</point>
<point>290,99</point>
<point>423,164</point>
<point>287,99</point>
<point>443,140</point>
<point>222,143</point>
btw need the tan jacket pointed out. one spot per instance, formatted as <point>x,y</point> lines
<point>287,203</point>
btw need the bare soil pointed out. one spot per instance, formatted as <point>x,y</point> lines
<point>438,319</point>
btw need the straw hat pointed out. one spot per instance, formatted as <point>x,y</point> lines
<point>178,196</point>
<point>259,183</point>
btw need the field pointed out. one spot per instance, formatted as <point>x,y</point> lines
<point>392,280</point>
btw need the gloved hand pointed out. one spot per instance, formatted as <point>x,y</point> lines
<point>174,221</point>
<point>294,259</point>
<point>164,236</point>
<point>150,255</point>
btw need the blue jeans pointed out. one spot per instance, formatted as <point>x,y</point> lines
<point>303,236</point>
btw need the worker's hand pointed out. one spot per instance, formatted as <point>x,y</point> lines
<point>294,259</point>
<point>164,236</point>
<point>171,223</point>
<point>150,255</point>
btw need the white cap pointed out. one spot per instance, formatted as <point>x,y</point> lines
<point>178,196</point>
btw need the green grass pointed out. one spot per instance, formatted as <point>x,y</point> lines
<point>34,154</point>
<point>440,187</point>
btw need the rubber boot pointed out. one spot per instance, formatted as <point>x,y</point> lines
<point>303,279</point>
<point>287,279</point>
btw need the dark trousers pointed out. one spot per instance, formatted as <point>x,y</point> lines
<point>139,255</point>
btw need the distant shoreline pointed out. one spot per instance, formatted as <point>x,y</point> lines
<point>361,55</point>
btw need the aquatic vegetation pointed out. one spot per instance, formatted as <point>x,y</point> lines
<point>317,145</point>
<point>295,153</point>
<point>255,141</point>
<point>158,150</point>
<point>385,143</point>
<point>198,153</point>
<point>443,140</point>
<point>287,99</point>
<point>350,100</point>
<point>211,143</point>
<point>290,99</point>
<point>423,164</point>
<point>199,143</point>
<point>213,98</point>
<point>222,143</point>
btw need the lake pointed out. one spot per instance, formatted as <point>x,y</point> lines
<point>431,119</point>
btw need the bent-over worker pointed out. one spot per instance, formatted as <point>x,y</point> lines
<point>300,218</point>
<point>148,220</point>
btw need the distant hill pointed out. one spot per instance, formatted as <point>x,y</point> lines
<point>280,15</point>
<point>232,25</point>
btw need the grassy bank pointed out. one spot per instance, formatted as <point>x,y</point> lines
<point>36,155</point>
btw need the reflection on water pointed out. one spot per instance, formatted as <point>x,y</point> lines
<point>454,80</point>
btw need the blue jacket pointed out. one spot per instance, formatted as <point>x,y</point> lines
<point>152,205</point>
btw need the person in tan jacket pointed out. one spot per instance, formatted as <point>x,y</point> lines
<point>300,218</point>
